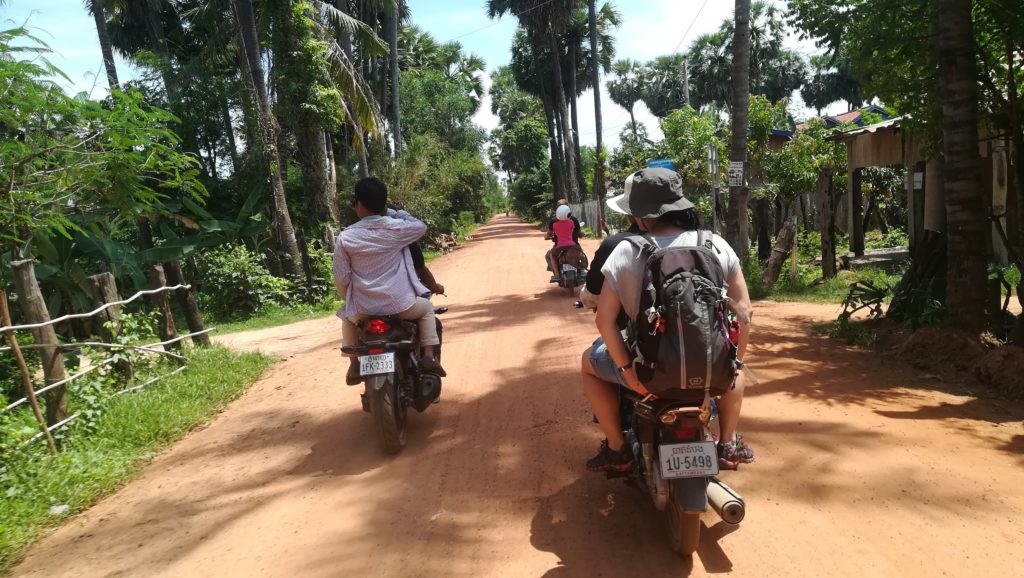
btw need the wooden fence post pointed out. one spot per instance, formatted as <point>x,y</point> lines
<point>161,302</point>
<point>33,306</point>
<point>187,300</point>
<point>5,319</point>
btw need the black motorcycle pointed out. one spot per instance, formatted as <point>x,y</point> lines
<point>572,262</point>
<point>389,361</point>
<point>675,448</point>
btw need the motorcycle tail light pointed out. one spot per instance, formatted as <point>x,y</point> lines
<point>377,326</point>
<point>375,351</point>
<point>686,430</point>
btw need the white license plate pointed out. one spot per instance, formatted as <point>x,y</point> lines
<point>568,268</point>
<point>377,364</point>
<point>692,460</point>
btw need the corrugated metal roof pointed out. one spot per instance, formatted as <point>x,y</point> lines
<point>892,123</point>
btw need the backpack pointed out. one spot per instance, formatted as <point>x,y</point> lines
<point>680,338</point>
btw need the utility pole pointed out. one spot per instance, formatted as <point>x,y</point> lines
<point>686,79</point>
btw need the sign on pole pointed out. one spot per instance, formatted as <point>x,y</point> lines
<point>661,164</point>
<point>735,174</point>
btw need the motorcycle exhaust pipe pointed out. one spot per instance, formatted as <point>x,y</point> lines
<point>726,502</point>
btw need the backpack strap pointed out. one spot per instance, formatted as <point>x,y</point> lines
<point>644,243</point>
<point>706,239</point>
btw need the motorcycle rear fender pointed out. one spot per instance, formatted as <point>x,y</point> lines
<point>376,382</point>
<point>691,494</point>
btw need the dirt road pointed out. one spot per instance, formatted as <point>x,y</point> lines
<point>860,471</point>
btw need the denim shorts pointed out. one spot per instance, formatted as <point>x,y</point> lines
<point>603,364</point>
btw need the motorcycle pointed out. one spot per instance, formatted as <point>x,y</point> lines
<point>677,462</point>
<point>389,361</point>
<point>572,262</point>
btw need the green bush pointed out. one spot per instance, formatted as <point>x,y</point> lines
<point>894,238</point>
<point>234,283</point>
<point>465,224</point>
<point>10,376</point>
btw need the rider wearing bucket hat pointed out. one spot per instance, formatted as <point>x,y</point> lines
<point>661,211</point>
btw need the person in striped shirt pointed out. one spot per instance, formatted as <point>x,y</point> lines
<point>375,274</point>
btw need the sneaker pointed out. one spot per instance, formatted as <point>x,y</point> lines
<point>432,366</point>
<point>352,377</point>
<point>609,460</point>
<point>732,454</point>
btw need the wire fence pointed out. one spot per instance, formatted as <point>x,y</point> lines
<point>29,377</point>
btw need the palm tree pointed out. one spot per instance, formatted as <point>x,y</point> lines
<point>664,85</point>
<point>393,65</point>
<point>95,8</point>
<point>710,65</point>
<point>416,48</point>
<point>287,258</point>
<point>626,86</point>
<point>544,21</point>
<point>468,69</point>
<point>736,213</point>
<point>966,243</point>
<point>599,191</point>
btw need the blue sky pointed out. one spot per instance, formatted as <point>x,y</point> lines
<point>650,28</point>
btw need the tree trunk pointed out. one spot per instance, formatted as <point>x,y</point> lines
<point>187,301</point>
<point>736,214</point>
<point>33,307</point>
<point>283,235</point>
<point>393,38</point>
<point>632,124</point>
<point>229,132</point>
<point>828,224</point>
<point>569,155</point>
<point>104,290</point>
<point>965,202</point>
<point>96,7</point>
<point>599,191</point>
<point>573,98</point>
<point>763,225</point>
<point>161,303</point>
<point>556,157</point>
<point>316,173</point>
<point>783,246</point>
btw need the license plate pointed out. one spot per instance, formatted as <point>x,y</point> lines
<point>377,364</point>
<point>568,268</point>
<point>693,460</point>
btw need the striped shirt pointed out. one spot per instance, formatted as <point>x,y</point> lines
<point>372,261</point>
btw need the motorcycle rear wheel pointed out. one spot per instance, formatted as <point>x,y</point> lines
<point>388,416</point>
<point>683,528</point>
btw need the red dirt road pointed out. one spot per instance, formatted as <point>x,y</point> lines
<point>860,470</point>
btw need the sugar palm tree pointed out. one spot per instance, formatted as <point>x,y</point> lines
<point>626,86</point>
<point>97,10</point>
<point>544,21</point>
<point>736,213</point>
<point>465,68</point>
<point>954,49</point>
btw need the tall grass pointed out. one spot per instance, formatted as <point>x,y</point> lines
<point>131,430</point>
